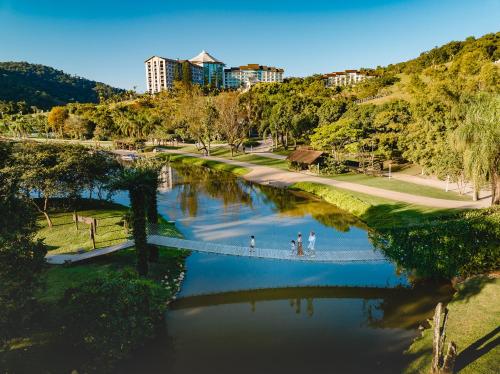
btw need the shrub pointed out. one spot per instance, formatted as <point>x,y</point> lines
<point>333,166</point>
<point>111,315</point>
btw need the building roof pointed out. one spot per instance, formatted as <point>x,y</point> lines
<point>256,67</point>
<point>304,156</point>
<point>163,58</point>
<point>205,57</point>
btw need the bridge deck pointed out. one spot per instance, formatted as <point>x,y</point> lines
<point>348,255</point>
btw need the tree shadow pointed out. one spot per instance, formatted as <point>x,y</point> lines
<point>472,287</point>
<point>477,349</point>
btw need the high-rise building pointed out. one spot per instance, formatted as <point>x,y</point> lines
<point>245,76</point>
<point>161,72</point>
<point>345,78</point>
<point>213,69</point>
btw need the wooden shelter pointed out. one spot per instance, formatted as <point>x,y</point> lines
<point>303,158</point>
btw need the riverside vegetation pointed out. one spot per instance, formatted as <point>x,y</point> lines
<point>91,305</point>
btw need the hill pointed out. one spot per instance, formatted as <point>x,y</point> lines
<point>392,80</point>
<point>45,87</point>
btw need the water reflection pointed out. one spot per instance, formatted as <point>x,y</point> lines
<point>291,330</point>
<point>216,206</point>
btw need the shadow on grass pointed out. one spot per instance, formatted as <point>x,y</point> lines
<point>472,287</point>
<point>477,349</point>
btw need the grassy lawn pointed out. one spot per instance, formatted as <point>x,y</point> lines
<point>400,186</point>
<point>375,211</point>
<point>238,170</point>
<point>61,277</point>
<point>64,238</point>
<point>250,158</point>
<point>473,324</point>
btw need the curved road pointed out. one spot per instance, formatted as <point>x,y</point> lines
<point>269,175</point>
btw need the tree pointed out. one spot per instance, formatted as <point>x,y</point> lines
<point>479,137</point>
<point>138,181</point>
<point>21,257</point>
<point>57,117</point>
<point>232,124</point>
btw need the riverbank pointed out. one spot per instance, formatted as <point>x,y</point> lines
<point>473,324</point>
<point>270,175</point>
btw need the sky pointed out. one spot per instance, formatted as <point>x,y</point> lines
<point>108,40</point>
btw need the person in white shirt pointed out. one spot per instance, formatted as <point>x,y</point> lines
<point>292,247</point>
<point>252,243</point>
<point>312,243</point>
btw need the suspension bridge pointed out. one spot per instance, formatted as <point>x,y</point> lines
<point>334,256</point>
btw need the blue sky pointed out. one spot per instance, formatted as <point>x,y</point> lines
<point>108,40</point>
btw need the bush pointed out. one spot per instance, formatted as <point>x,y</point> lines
<point>111,315</point>
<point>333,166</point>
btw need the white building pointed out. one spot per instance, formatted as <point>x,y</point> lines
<point>161,73</point>
<point>245,76</point>
<point>345,78</point>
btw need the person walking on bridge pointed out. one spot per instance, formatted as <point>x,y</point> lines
<point>312,243</point>
<point>300,250</point>
<point>252,243</point>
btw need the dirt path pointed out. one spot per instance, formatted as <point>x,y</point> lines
<point>269,175</point>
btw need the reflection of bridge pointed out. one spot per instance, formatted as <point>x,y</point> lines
<point>284,293</point>
<point>400,307</point>
<point>347,255</point>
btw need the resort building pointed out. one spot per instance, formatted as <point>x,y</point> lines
<point>345,78</point>
<point>213,69</point>
<point>245,76</point>
<point>161,72</point>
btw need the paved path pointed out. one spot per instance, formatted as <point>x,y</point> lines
<point>272,176</point>
<point>346,255</point>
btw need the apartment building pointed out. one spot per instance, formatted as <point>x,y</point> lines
<point>160,73</point>
<point>345,78</point>
<point>247,75</point>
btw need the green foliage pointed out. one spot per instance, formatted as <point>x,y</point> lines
<point>336,197</point>
<point>332,166</point>
<point>109,316</point>
<point>45,87</point>
<point>21,257</point>
<point>464,246</point>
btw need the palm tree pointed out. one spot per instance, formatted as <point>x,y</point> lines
<point>479,138</point>
<point>138,182</point>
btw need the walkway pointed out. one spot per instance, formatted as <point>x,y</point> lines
<point>347,255</point>
<point>269,175</point>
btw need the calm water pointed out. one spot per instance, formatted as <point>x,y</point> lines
<point>250,315</point>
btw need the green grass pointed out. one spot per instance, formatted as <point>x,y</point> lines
<point>250,158</point>
<point>474,317</point>
<point>400,186</point>
<point>64,238</point>
<point>59,278</point>
<point>238,170</point>
<point>375,211</point>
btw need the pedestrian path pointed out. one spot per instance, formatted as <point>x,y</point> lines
<point>335,256</point>
<point>264,174</point>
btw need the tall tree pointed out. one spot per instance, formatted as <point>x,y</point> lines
<point>57,117</point>
<point>479,136</point>
<point>232,123</point>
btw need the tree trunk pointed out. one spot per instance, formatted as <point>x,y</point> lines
<point>45,203</point>
<point>137,202</point>
<point>152,216</point>
<point>495,188</point>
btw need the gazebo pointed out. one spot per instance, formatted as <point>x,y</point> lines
<point>303,158</point>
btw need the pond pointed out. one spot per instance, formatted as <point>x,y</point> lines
<point>245,315</point>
